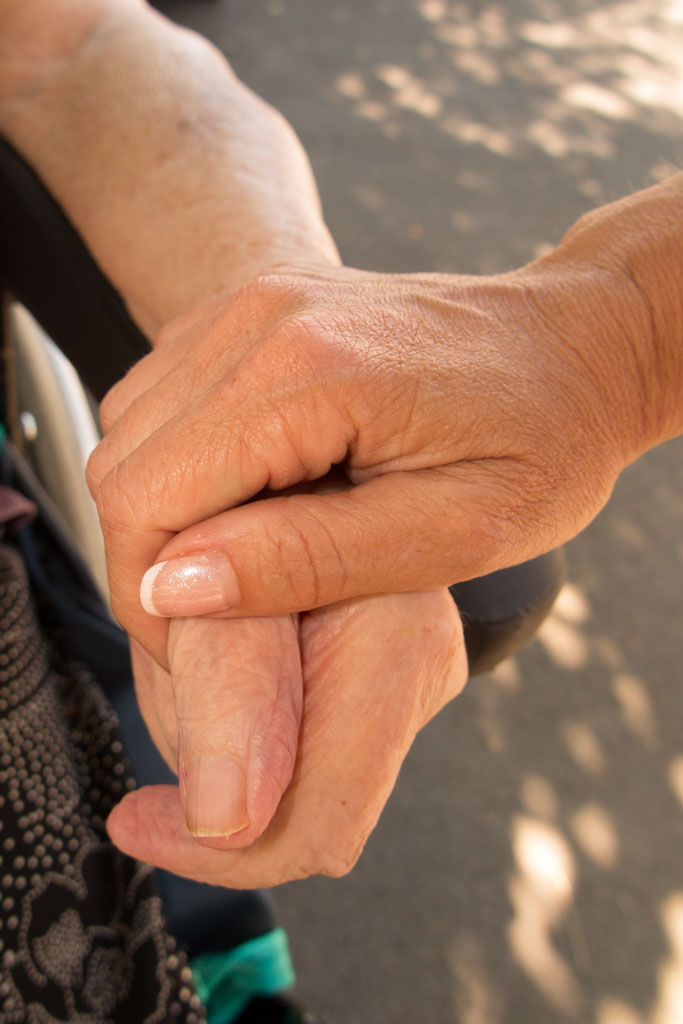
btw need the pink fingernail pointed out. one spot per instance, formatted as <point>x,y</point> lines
<point>192,585</point>
<point>215,791</point>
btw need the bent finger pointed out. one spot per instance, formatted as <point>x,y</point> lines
<point>190,354</point>
<point>170,482</point>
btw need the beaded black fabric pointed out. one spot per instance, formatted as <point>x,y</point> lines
<point>82,935</point>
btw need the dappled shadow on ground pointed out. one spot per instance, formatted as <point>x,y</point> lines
<point>493,99</point>
<point>466,136</point>
<point>583,69</point>
<point>457,135</point>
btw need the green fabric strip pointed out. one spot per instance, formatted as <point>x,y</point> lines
<point>225,982</point>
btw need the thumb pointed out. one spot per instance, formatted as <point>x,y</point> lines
<point>398,532</point>
<point>238,700</point>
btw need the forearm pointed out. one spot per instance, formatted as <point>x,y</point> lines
<point>624,263</point>
<point>164,162</point>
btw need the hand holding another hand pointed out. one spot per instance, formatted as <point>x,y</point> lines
<point>482,422</point>
<point>287,732</point>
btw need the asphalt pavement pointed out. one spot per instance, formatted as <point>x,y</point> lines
<point>529,866</point>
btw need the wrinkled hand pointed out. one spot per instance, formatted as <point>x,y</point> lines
<point>313,742</point>
<point>483,421</point>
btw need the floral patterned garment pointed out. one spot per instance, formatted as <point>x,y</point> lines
<point>82,936</point>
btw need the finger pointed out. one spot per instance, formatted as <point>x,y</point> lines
<point>401,531</point>
<point>171,481</point>
<point>375,671</point>
<point>237,691</point>
<point>172,346</point>
<point>199,347</point>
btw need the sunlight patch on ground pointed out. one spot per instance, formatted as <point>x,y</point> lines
<point>636,707</point>
<point>538,797</point>
<point>572,604</point>
<point>614,1011</point>
<point>477,1000</point>
<point>631,534</point>
<point>541,893</point>
<point>608,652</point>
<point>490,721</point>
<point>351,84</point>
<point>605,102</point>
<point>676,777</point>
<point>564,643</point>
<point>586,73</point>
<point>409,91</point>
<point>432,10</point>
<point>594,830</point>
<point>543,855</point>
<point>669,1006</point>
<point>507,676</point>
<point>474,132</point>
<point>560,634</point>
<point>584,747</point>
<point>479,66</point>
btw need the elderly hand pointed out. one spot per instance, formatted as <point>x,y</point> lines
<point>483,422</point>
<point>296,757</point>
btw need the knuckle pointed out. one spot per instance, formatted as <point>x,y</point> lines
<point>96,469</point>
<point>119,503</point>
<point>107,500</point>
<point>169,332</point>
<point>112,406</point>
<point>331,862</point>
<point>279,285</point>
<point>266,296</point>
<point>122,394</point>
<point>493,528</point>
<point>498,523</point>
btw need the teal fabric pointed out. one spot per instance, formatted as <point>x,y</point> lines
<point>225,982</point>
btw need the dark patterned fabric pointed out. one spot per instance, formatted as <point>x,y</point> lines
<point>82,936</point>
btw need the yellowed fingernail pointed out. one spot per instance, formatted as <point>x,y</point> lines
<point>215,797</point>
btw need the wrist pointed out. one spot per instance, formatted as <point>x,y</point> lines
<point>163,162</point>
<point>618,278</point>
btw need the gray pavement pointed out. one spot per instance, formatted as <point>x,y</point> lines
<point>529,866</point>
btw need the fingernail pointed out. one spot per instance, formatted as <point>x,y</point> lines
<point>215,796</point>
<point>193,585</point>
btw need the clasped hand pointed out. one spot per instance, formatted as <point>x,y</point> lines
<point>458,409</point>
